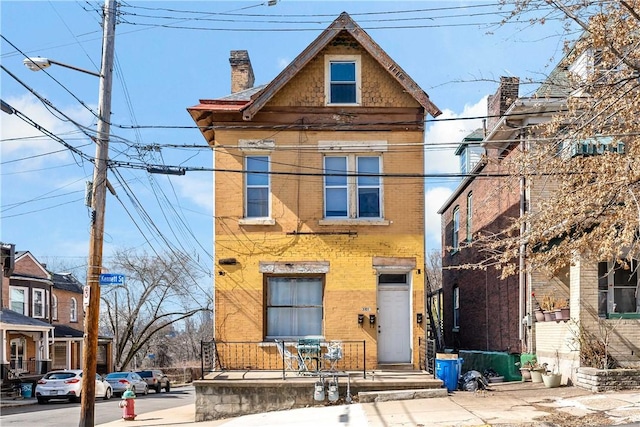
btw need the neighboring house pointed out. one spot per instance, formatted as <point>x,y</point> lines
<point>25,324</point>
<point>68,317</point>
<point>319,199</point>
<point>43,320</point>
<point>487,313</point>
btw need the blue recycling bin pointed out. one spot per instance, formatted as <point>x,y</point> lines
<point>448,370</point>
<point>26,389</point>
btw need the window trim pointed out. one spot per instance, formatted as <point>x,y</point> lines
<point>73,310</point>
<point>257,220</point>
<point>469,215</point>
<point>357,60</point>
<point>353,188</point>
<point>25,302</point>
<point>612,287</point>
<point>54,307</point>
<point>266,277</point>
<point>43,303</point>
<point>456,308</point>
<point>455,230</point>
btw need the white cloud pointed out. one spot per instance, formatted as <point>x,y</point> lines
<point>21,140</point>
<point>450,132</point>
<point>443,160</point>
<point>197,187</point>
<point>435,198</point>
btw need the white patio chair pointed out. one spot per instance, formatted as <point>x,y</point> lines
<point>287,356</point>
<point>333,354</point>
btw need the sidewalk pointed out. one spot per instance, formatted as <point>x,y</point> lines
<point>508,404</point>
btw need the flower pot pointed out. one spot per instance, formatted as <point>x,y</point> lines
<point>552,380</point>
<point>539,315</point>
<point>526,374</point>
<point>536,375</point>
<point>549,316</point>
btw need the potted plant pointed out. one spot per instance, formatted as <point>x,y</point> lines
<point>531,370</point>
<point>553,378</point>
<point>548,307</point>
<point>562,309</point>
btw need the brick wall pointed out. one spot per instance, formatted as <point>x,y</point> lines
<point>64,309</point>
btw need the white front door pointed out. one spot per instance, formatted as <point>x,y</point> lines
<point>394,319</point>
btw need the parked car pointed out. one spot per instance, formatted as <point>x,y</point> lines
<point>67,384</point>
<point>155,379</point>
<point>121,380</point>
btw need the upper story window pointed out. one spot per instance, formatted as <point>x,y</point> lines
<point>342,79</point>
<point>73,310</point>
<point>18,299</point>
<point>54,307</point>
<point>358,196</point>
<point>257,187</point>
<point>38,309</point>
<point>469,216</point>
<point>455,235</point>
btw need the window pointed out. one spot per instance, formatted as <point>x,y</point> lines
<point>38,309</point>
<point>455,242</point>
<point>294,306</point>
<point>73,310</point>
<point>257,187</point>
<point>618,288</point>
<point>18,346</point>
<point>469,216</point>
<point>456,308</point>
<point>352,196</point>
<point>18,297</point>
<point>54,308</point>
<point>343,79</point>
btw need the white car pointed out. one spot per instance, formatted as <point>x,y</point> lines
<point>67,384</point>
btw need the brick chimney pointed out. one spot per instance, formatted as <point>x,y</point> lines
<point>498,103</point>
<point>241,71</point>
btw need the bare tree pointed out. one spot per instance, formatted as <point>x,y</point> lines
<point>161,292</point>
<point>595,208</point>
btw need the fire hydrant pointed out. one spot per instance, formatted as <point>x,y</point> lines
<point>128,405</point>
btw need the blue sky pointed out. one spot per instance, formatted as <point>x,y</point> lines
<point>171,54</point>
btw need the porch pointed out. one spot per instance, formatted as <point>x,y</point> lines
<point>233,393</point>
<point>241,378</point>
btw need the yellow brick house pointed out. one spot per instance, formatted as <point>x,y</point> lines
<point>319,199</point>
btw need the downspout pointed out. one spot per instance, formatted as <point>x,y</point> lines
<point>522,278</point>
<point>213,273</point>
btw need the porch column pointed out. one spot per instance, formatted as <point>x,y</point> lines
<point>3,358</point>
<point>68,353</point>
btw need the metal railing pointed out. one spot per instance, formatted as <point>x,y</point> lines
<point>264,356</point>
<point>427,354</point>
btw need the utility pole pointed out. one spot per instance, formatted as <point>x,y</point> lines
<point>98,199</point>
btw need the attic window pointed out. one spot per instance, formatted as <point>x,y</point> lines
<point>342,79</point>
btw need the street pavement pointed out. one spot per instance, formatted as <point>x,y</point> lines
<point>505,404</point>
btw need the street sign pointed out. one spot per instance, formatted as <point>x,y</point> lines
<point>86,296</point>
<point>111,279</point>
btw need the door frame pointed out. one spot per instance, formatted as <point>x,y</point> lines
<point>409,309</point>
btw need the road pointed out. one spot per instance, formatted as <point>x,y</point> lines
<point>63,414</point>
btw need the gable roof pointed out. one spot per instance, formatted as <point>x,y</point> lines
<point>251,101</point>
<point>342,23</point>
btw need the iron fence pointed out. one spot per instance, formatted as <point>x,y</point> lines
<point>264,356</point>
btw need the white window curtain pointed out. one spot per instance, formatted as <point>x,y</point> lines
<point>294,306</point>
